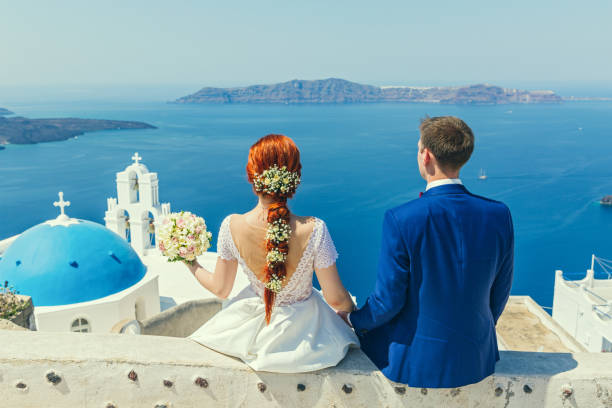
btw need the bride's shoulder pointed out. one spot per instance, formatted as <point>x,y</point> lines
<point>305,220</point>
<point>305,224</point>
<point>228,218</point>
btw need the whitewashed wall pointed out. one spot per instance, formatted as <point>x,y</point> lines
<point>102,314</point>
<point>574,305</point>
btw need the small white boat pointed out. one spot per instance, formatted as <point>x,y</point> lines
<point>482,175</point>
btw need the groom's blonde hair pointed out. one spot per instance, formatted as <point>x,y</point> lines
<point>449,139</point>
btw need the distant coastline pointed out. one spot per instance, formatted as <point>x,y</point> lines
<point>338,91</point>
<point>587,98</point>
<point>20,130</point>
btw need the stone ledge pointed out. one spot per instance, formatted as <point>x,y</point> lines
<point>93,371</point>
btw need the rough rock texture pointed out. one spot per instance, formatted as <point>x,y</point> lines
<point>20,130</point>
<point>334,90</point>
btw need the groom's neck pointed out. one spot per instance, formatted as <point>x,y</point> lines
<point>441,175</point>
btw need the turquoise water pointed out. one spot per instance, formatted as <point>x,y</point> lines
<point>549,163</point>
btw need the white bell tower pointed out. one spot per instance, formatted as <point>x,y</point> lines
<point>134,214</point>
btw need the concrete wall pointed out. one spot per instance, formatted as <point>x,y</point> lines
<point>181,320</point>
<point>93,370</point>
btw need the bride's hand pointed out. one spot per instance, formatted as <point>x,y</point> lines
<point>192,266</point>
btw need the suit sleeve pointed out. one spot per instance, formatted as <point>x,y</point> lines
<point>500,291</point>
<point>392,281</point>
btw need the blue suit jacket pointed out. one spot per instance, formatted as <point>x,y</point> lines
<point>444,277</point>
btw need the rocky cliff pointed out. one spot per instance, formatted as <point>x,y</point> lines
<point>20,130</point>
<point>334,90</point>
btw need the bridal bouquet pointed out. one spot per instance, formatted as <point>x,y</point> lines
<point>183,236</point>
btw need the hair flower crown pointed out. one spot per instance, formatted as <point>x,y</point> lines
<point>277,181</point>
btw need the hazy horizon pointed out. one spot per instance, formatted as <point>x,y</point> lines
<point>26,94</point>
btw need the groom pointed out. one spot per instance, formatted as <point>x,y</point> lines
<point>444,273</point>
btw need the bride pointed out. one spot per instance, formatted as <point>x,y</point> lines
<point>278,323</point>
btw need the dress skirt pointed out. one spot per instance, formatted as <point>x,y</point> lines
<point>303,336</point>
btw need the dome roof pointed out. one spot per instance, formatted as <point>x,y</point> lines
<point>70,262</point>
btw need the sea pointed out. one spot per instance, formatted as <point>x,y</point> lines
<point>551,164</point>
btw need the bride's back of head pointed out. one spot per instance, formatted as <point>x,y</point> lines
<point>273,150</point>
<point>274,170</point>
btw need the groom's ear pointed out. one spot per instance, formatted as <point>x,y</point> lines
<point>427,156</point>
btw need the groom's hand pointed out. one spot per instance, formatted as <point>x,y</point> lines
<point>344,316</point>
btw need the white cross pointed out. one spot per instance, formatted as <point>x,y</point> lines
<point>61,203</point>
<point>136,158</point>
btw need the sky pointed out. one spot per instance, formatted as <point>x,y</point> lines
<point>68,43</point>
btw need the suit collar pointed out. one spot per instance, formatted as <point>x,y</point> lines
<point>442,182</point>
<point>446,189</point>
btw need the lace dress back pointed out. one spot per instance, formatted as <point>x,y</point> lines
<point>317,251</point>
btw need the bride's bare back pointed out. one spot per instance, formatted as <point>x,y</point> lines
<point>249,234</point>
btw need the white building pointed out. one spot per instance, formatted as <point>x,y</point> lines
<point>136,210</point>
<point>82,277</point>
<point>584,309</point>
<point>85,277</point>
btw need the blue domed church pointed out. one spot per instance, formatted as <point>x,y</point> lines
<point>84,276</point>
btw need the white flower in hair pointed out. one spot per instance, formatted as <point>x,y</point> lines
<point>274,284</point>
<point>274,256</point>
<point>278,231</point>
<point>277,181</point>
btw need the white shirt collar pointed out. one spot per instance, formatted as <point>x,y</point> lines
<point>442,182</point>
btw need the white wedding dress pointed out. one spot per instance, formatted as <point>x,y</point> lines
<point>304,333</point>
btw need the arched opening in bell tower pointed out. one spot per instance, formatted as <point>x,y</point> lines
<point>134,188</point>
<point>150,219</point>
<point>126,225</point>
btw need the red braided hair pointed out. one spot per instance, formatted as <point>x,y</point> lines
<point>268,151</point>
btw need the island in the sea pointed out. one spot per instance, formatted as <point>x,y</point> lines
<point>20,130</point>
<point>334,90</point>
<point>4,112</point>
